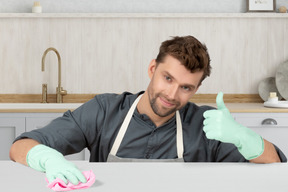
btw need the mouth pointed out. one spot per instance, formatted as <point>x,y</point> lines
<point>166,103</point>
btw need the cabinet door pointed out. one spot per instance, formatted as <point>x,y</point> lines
<point>276,135</point>
<point>271,126</point>
<point>10,128</point>
<point>41,120</point>
<point>38,121</point>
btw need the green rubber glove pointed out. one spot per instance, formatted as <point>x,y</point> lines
<point>46,159</point>
<point>221,126</point>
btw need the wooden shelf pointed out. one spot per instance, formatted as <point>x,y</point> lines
<point>144,15</point>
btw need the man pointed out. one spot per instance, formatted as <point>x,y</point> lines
<point>156,125</point>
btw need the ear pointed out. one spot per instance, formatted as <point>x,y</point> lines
<point>151,68</point>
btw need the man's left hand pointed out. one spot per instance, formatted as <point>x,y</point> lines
<point>220,125</point>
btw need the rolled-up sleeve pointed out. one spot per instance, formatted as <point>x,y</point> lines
<point>68,134</point>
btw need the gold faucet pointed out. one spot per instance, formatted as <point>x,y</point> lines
<point>59,90</point>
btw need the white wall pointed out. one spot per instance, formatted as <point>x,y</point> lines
<point>129,6</point>
<point>111,54</point>
<point>52,6</point>
<point>97,54</point>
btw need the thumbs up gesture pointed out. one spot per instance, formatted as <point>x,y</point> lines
<point>220,125</point>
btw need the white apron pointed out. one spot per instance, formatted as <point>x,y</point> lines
<point>179,140</point>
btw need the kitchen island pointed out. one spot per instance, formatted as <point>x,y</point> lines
<point>162,177</point>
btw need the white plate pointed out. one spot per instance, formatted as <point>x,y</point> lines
<point>266,86</point>
<point>279,104</point>
<point>282,79</point>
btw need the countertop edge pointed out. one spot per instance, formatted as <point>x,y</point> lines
<point>248,108</point>
<point>233,108</point>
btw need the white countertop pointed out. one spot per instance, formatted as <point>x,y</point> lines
<point>162,177</point>
<point>248,108</point>
<point>39,105</point>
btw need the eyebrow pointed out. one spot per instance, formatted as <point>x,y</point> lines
<point>184,85</point>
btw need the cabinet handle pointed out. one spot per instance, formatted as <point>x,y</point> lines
<point>269,121</point>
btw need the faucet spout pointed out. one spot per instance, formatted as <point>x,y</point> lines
<point>59,90</point>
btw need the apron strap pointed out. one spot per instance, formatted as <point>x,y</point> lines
<point>179,136</point>
<point>125,124</point>
<point>124,127</point>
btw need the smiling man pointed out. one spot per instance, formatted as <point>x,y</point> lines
<point>171,87</point>
<point>159,124</point>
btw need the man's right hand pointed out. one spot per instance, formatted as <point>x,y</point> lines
<point>46,159</point>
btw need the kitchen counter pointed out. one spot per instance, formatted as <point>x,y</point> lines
<point>62,107</point>
<point>249,108</point>
<point>168,177</point>
<point>37,107</point>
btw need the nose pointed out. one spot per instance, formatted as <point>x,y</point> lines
<point>172,91</point>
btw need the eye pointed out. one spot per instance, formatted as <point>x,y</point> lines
<point>167,78</point>
<point>186,88</point>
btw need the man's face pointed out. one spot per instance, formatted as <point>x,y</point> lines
<point>171,86</point>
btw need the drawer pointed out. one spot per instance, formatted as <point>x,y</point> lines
<point>262,119</point>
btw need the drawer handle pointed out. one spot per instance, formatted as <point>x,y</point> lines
<point>269,121</point>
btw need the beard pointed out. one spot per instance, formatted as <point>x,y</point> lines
<point>162,111</point>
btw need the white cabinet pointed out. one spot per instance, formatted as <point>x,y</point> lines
<point>271,126</point>
<point>10,128</point>
<point>13,124</point>
<point>39,121</point>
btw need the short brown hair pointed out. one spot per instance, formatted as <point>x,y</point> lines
<point>189,51</point>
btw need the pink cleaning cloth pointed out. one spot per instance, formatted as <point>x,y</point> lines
<point>59,185</point>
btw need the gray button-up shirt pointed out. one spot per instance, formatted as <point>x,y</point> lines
<point>96,123</point>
